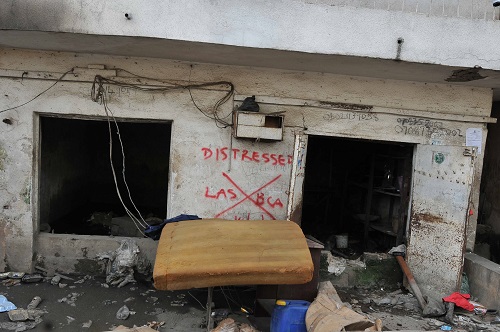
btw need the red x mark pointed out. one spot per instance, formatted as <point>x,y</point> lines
<point>247,196</point>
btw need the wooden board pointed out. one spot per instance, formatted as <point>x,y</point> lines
<point>216,252</point>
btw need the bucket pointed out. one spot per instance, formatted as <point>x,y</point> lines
<point>289,316</point>
<point>342,241</point>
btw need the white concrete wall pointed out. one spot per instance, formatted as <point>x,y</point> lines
<point>321,27</point>
<point>195,177</point>
<point>470,9</point>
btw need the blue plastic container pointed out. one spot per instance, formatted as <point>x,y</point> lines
<point>289,316</point>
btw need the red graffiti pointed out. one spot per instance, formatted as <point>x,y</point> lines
<point>221,154</point>
<point>277,202</point>
<point>258,202</point>
<point>229,193</point>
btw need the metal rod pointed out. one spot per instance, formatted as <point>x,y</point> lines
<point>411,281</point>
<point>209,309</point>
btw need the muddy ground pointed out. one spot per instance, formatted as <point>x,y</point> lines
<point>86,299</point>
<point>85,304</point>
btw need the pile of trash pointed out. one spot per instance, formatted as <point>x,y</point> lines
<point>123,262</point>
<point>26,319</point>
<point>21,319</point>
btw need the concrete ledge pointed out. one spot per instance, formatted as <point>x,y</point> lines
<point>484,279</point>
<point>68,253</point>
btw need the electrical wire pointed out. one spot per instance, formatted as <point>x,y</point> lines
<point>202,306</point>
<point>99,95</point>
<point>99,81</point>
<point>134,219</point>
<point>41,93</point>
<point>144,224</point>
<point>227,301</point>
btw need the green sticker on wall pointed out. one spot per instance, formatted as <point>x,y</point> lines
<point>438,158</point>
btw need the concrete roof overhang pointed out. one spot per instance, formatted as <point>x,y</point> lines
<point>243,56</point>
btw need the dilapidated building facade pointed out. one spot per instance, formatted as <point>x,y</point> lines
<point>372,121</point>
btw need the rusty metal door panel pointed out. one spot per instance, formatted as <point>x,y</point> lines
<point>440,199</point>
<point>295,195</point>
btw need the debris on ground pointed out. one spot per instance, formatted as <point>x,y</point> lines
<point>21,315</point>
<point>21,319</point>
<point>337,265</point>
<point>123,313</point>
<point>32,278</point>
<point>327,313</point>
<point>155,325</point>
<point>87,325</point>
<point>230,325</point>
<point>11,282</point>
<point>16,275</point>
<point>6,305</point>
<point>399,309</point>
<point>20,326</point>
<point>70,299</point>
<point>121,264</point>
<point>227,325</point>
<point>34,303</point>
<point>434,308</point>
<point>55,280</point>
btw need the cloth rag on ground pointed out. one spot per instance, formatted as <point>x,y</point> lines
<point>217,252</point>
<point>460,300</point>
<point>154,231</point>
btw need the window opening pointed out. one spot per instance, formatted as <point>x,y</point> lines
<point>76,187</point>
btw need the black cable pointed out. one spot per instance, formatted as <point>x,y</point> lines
<point>99,81</point>
<point>41,93</point>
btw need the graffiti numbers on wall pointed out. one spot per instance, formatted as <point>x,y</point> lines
<point>424,127</point>
<point>355,116</point>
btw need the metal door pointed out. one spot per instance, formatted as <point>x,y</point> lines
<point>295,195</point>
<point>442,181</point>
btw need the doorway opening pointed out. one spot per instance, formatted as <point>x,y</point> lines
<point>356,193</point>
<point>77,190</point>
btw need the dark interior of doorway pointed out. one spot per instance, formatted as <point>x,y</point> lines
<point>77,193</point>
<point>347,180</point>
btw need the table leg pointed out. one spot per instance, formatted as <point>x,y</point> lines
<point>209,309</point>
